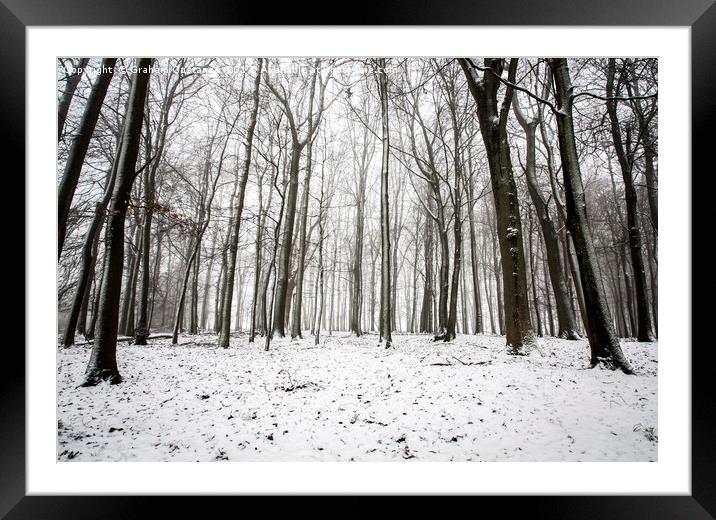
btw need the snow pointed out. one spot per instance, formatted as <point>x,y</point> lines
<point>349,399</point>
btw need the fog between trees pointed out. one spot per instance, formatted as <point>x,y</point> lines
<point>294,197</point>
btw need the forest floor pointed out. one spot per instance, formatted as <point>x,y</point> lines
<point>350,399</point>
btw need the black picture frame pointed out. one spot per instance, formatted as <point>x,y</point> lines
<point>700,15</point>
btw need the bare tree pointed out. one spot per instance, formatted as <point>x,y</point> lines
<point>78,151</point>
<point>385,281</point>
<point>234,242</point>
<point>493,126</point>
<point>102,365</point>
<point>603,339</point>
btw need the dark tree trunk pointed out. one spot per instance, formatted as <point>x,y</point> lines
<point>493,126</point>
<point>385,282</point>
<point>103,360</point>
<point>414,299</point>
<point>78,151</point>
<point>479,327</point>
<point>603,339</point>
<point>451,331</point>
<point>319,295</point>
<point>279,312</point>
<point>397,229</point>
<point>426,309</point>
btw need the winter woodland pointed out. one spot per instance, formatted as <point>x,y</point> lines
<point>357,259</point>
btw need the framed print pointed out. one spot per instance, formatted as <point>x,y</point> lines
<point>379,259</point>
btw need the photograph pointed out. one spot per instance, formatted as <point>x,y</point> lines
<point>357,259</point>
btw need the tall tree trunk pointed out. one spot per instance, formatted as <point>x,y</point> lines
<point>103,360</point>
<point>374,258</point>
<point>493,126</point>
<point>395,265</point>
<point>385,281</point>
<point>479,327</point>
<point>603,339</point>
<point>78,151</point>
<point>234,242</point>
<point>239,303</point>
<point>357,270</point>
<point>334,264</point>
<point>319,295</point>
<point>426,309</point>
<point>457,261</point>
<point>457,213</point>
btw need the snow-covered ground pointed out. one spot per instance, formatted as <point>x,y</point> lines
<point>351,400</point>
